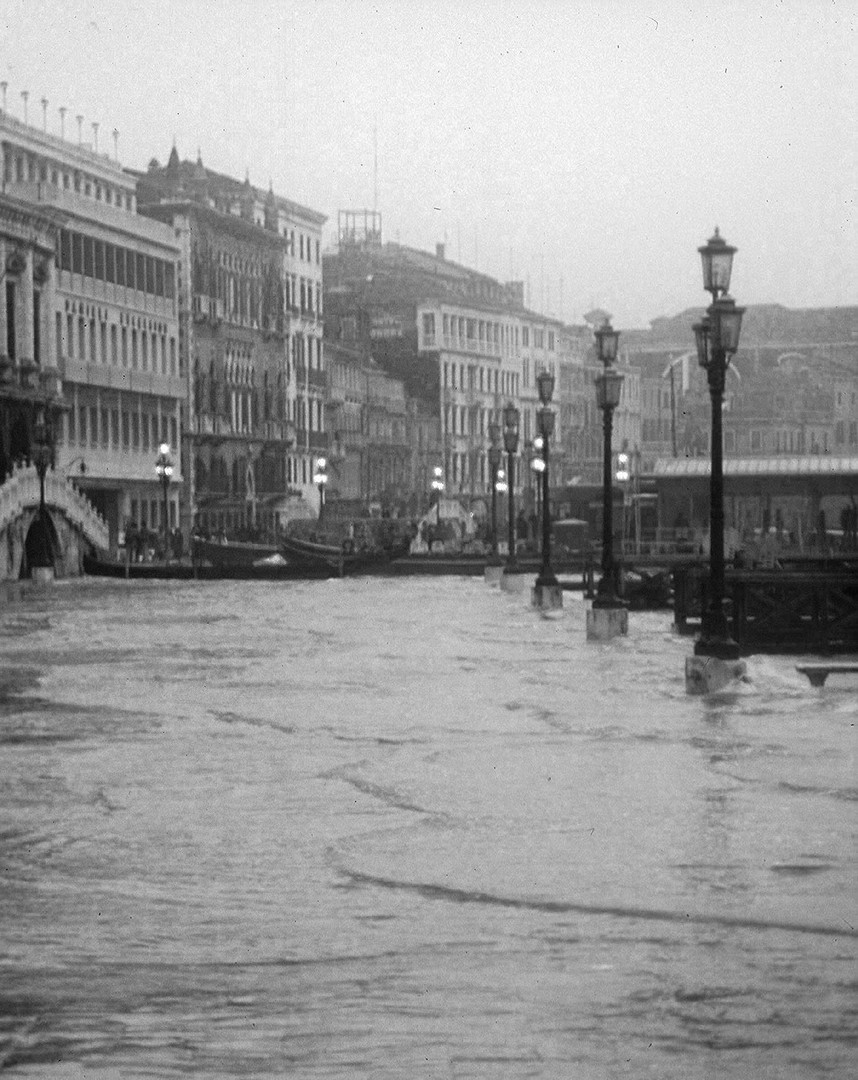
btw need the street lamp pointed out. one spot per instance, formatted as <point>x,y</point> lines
<point>494,465</point>
<point>717,338</point>
<point>164,469</point>
<point>609,386</point>
<point>43,455</point>
<point>545,417</point>
<point>511,418</point>
<point>320,479</point>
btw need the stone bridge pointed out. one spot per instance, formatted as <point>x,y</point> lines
<point>72,527</point>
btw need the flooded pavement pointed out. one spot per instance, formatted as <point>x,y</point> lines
<point>399,828</point>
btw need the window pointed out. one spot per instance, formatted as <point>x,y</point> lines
<point>77,253</point>
<point>99,260</point>
<point>88,256</point>
<point>756,440</point>
<point>105,427</point>
<point>525,336</point>
<point>82,417</point>
<point>114,345</point>
<point>93,426</point>
<point>109,263</point>
<point>65,250</point>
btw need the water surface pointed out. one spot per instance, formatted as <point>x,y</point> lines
<point>398,828</point>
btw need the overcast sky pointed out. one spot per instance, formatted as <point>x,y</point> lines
<point>586,147</point>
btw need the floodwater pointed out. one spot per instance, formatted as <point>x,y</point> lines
<point>412,828</point>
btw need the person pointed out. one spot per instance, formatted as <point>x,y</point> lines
<point>131,541</point>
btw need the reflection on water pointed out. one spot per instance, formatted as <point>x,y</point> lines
<point>399,828</point>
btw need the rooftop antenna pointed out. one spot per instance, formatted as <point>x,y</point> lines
<point>95,135</point>
<point>79,130</point>
<point>374,169</point>
<point>44,114</point>
<point>63,110</point>
<point>3,86</point>
<point>25,94</point>
<point>116,143</point>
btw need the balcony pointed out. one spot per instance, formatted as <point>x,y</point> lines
<point>316,440</point>
<point>315,377</point>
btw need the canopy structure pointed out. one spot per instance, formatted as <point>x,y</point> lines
<point>759,491</point>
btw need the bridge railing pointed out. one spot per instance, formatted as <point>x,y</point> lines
<point>22,491</point>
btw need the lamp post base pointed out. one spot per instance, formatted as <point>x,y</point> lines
<point>493,572</point>
<point>709,674</point>
<point>604,623</point>
<point>514,579</point>
<point>547,597</point>
<point>42,575</point>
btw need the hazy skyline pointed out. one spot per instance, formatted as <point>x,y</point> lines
<point>587,148</point>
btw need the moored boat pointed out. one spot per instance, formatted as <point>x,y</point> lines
<point>343,558</point>
<point>231,553</point>
<point>271,568</point>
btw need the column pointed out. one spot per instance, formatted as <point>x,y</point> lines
<point>24,330</point>
<point>3,253</point>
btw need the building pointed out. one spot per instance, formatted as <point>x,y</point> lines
<point>792,387</point>
<point>462,343</point>
<point>251,305</point>
<point>101,310</point>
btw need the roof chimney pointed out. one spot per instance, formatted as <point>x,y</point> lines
<point>439,251</point>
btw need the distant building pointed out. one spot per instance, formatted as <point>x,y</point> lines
<point>462,343</point>
<point>252,342</point>
<point>792,387</point>
<point>102,310</point>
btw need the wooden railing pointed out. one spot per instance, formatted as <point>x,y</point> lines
<point>777,611</point>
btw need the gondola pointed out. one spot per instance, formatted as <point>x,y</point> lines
<point>231,553</point>
<point>343,559</point>
<point>265,570</point>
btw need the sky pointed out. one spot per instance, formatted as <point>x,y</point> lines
<point>586,148</point>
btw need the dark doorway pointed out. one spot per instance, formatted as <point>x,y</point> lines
<point>41,545</point>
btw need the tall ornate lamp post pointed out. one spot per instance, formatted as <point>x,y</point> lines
<point>164,470</point>
<point>608,616</point>
<point>716,655</point>
<point>511,579</point>
<point>43,455</point>
<point>42,568</point>
<point>547,592</point>
<point>494,565</point>
<point>320,479</point>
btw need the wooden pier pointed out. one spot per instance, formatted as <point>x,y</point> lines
<point>806,606</point>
